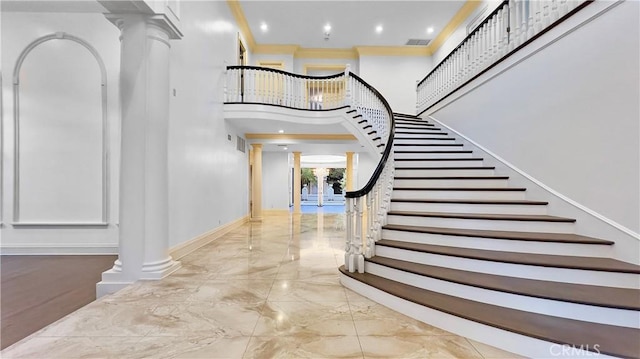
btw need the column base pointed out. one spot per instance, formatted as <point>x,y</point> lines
<point>159,270</point>
<point>256,219</point>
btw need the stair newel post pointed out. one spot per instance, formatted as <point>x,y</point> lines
<point>226,82</point>
<point>359,238</point>
<point>512,25</point>
<point>349,258</point>
<point>370,224</point>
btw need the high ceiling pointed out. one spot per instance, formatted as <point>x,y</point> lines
<point>353,23</point>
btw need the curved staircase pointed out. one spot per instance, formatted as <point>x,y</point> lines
<point>464,251</point>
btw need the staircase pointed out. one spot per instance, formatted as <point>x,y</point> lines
<point>464,251</point>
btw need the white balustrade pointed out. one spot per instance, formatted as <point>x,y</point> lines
<point>510,25</point>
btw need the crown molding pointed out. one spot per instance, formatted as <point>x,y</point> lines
<point>321,53</point>
<point>276,49</point>
<point>300,136</point>
<point>465,11</point>
<point>241,20</point>
<point>393,50</point>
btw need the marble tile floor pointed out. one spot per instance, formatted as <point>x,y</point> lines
<point>265,290</point>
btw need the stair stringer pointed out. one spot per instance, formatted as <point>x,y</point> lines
<point>588,222</point>
<point>503,339</point>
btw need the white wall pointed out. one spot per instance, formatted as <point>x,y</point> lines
<point>569,114</point>
<point>395,78</point>
<point>275,180</point>
<point>363,168</point>
<point>61,178</point>
<point>287,60</point>
<point>299,64</point>
<point>208,177</point>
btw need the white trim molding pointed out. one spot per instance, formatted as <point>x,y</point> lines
<point>183,249</point>
<point>16,134</point>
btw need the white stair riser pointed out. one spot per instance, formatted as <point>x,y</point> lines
<point>404,125</point>
<point>444,163</point>
<point>444,194</point>
<point>420,135</point>
<point>435,147</point>
<point>443,173</point>
<point>511,342</point>
<point>590,313</point>
<point>554,274</point>
<point>469,208</point>
<point>507,245</point>
<point>433,155</point>
<point>436,141</point>
<point>496,225</point>
<point>463,183</point>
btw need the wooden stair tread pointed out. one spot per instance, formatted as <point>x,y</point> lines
<point>452,178</point>
<point>621,298</point>
<point>511,235</point>
<point>611,340</point>
<point>422,131</point>
<point>543,260</point>
<point>486,216</point>
<point>436,152</point>
<point>447,168</point>
<point>475,201</point>
<point>501,189</point>
<point>439,159</point>
<point>425,138</point>
<point>428,144</point>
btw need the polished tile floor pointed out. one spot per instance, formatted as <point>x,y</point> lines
<point>265,290</point>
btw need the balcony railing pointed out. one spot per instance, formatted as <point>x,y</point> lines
<point>512,25</point>
<point>366,208</point>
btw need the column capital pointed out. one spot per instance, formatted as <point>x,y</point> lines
<point>159,21</point>
<point>256,145</point>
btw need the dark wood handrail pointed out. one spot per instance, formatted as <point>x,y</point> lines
<point>268,69</point>
<point>387,151</point>
<point>489,17</point>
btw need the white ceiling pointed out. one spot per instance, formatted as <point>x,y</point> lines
<point>80,6</point>
<point>352,23</point>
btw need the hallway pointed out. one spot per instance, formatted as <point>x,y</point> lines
<point>265,290</point>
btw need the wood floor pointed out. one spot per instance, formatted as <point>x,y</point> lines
<point>38,290</point>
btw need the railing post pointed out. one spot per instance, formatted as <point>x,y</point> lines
<point>347,85</point>
<point>359,258</point>
<point>349,255</point>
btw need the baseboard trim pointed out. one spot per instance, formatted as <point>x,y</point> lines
<point>555,193</point>
<point>187,247</point>
<point>273,212</point>
<point>60,249</point>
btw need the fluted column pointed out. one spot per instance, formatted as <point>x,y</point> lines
<point>349,171</point>
<point>144,188</point>
<point>297,183</point>
<point>256,183</point>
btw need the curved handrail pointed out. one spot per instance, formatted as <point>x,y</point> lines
<point>268,69</point>
<point>388,145</point>
<point>280,88</point>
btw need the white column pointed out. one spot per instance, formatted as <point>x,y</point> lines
<point>297,182</point>
<point>144,212</point>
<point>256,183</point>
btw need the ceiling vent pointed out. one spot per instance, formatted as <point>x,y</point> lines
<point>418,42</point>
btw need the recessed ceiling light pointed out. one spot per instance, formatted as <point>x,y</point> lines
<point>430,30</point>
<point>264,27</point>
<point>327,28</point>
<point>379,29</point>
<point>280,131</point>
<point>285,148</point>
